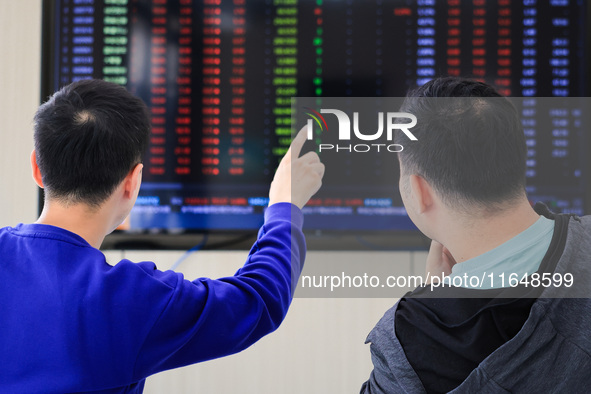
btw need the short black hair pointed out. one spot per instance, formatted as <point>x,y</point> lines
<point>471,148</point>
<point>88,136</point>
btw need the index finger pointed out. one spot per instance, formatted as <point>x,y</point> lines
<point>298,142</point>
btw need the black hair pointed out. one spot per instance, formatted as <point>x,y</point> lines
<point>470,146</point>
<point>88,136</point>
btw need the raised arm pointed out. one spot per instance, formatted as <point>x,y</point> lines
<point>206,318</point>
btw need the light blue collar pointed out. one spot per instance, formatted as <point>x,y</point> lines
<point>521,255</point>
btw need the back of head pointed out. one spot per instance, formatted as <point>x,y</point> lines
<point>471,147</point>
<point>88,136</point>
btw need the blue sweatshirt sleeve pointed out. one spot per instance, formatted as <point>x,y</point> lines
<point>206,318</point>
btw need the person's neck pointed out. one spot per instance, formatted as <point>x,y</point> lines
<point>470,237</point>
<point>92,225</point>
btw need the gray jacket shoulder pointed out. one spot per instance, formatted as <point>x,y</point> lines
<point>392,372</point>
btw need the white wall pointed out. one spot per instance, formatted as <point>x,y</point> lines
<point>318,349</point>
<point>20,57</point>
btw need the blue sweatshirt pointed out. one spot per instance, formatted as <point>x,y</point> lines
<point>70,322</point>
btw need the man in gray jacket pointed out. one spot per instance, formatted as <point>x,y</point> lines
<point>463,185</point>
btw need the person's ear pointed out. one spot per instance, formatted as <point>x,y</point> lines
<point>35,168</point>
<point>421,192</point>
<point>132,182</point>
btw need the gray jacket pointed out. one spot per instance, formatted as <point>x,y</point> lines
<point>550,354</point>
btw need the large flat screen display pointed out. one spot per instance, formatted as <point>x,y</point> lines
<point>219,77</point>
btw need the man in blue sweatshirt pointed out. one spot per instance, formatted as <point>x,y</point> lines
<point>73,323</point>
<point>463,185</point>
